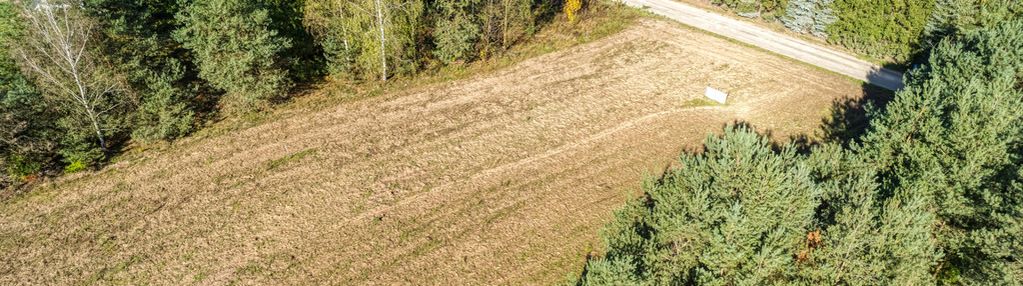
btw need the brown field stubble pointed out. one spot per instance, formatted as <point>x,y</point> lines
<point>501,178</point>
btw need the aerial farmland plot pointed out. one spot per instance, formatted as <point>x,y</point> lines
<point>504,177</point>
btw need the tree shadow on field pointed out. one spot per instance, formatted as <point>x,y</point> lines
<point>848,121</point>
<point>850,117</point>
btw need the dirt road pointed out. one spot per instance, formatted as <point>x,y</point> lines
<point>502,178</point>
<point>772,41</point>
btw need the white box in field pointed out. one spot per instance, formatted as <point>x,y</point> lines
<point>716,95</point>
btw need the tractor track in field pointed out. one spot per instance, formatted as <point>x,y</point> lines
<point>501,178</point>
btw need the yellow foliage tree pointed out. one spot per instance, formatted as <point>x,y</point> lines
<point>572,8</point>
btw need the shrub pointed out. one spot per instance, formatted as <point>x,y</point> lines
<point>571,8</point>
<point>755,8</point>
<point>75,167</point>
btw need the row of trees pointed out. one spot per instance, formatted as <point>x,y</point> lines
<point>931,194</point>
<point>78,78</point>
<point>896,31</point>
<point>381,38</point>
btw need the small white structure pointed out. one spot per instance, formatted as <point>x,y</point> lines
<point>716,95</point>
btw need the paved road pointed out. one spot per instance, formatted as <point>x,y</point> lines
<point>772,41</point>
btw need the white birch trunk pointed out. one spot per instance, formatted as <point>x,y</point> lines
<point>383,41</point>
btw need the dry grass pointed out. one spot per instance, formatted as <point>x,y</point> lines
<point>499,178</point>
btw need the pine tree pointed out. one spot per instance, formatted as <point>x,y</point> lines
<point>736,214</point>
<point>744,212</point>
<point>27,131</point>
<point>953,140</point>
<point>960,17</point>
<point>457,30</point>
<point>138,36</point>
<point>866,237</point>
<point>237,50</point>
<point>809,16</point>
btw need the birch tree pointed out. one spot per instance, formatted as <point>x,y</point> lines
<point>59,51</point>
<point>396,25</point>
<point>371,38</point>
<point>336,25</point>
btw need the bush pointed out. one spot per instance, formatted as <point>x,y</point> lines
<point>19,166</point>
<point>75,167</point>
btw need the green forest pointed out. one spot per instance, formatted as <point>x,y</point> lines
<point>931,193</point>
<point>80,79</point>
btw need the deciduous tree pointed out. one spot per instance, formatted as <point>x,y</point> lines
<point>368,37</point>
<point>61,53</point>
<point>572,8</point>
